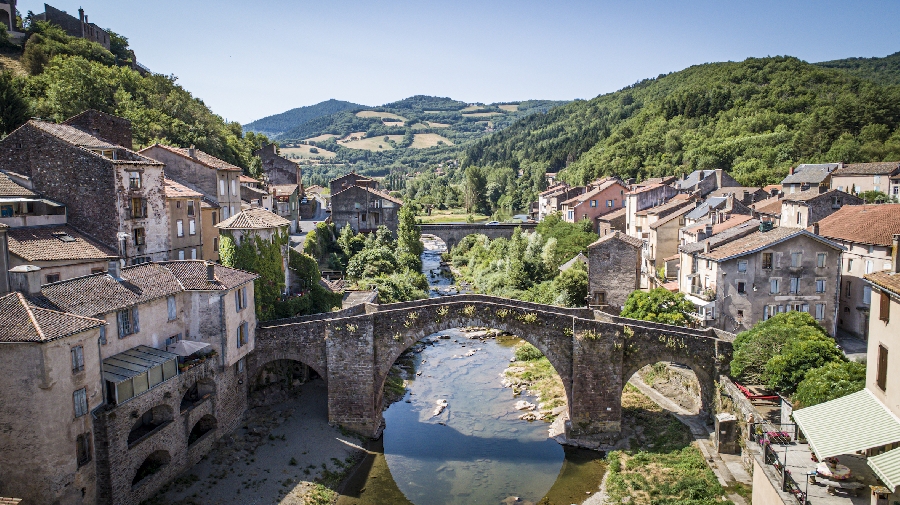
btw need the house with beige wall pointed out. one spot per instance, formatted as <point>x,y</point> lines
<point>799,210</point>
<point>61,251</point>
<point>856,178</point>
<point>185,221</point>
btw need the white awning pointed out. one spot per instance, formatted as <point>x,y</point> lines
<point>186,347</point>
<point>698,302</point>
<point>848,424</point>
<point>887,467</point>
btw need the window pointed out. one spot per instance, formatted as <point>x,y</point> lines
<point>138,208</point>
<point>820,311</point>
<point>881,374</point>
<point>179,226</point>
<point>233,187</point>
<point>610,203</point>
<point>767,261</point>
<point>870,266</point>
<point>172,307</point>
<point>242,336</point>
<point>103,331</point>
<point>847,292</point>
<point>885,313</point>
<point>799,216</point>
<point>774,286</point>
<point>194,253</point>
<point>742,266</point>
<point>174,339</point>
<point>192,227</point>
<point>128,322</point>
<point>51,278</point>
<point>215,218</point>
<point>867,295</point>
<point>134,180</point>
<point>240,299</point>
<point>216,243</point>
<point>599,297</point>
<point>77,359</point>
<point>222,186</point>
<point>820,260</point>
<point>849,264</point>
<point>190,208</point>
<point>795,285</point>
<point>177,204</point>
<point>83,449</point>
<point>80,400</point>
<point>139,238</point>
<point>593,203</point>
<point>742,287</point>
<point>820,285</point>
<point>796,259</point>
<point>240,365</point>
<point>180,255</point>
<point>740,314</point>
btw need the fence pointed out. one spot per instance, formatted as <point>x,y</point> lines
<point>768,436</point>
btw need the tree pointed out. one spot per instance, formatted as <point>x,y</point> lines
<point>475,191</point>
<point>755,347</point>
<point>830,381</point>
<point>875,197</point>
<point>785,370</point>
<point>572,284</point>
<point>14,109</point>
<point>659,305</point>
<point>409,237</point>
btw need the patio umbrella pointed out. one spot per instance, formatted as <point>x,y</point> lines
<point>186,347</point>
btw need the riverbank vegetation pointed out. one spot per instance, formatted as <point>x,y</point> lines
<point>532,370</point>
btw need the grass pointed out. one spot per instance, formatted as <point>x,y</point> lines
<point>302,151</point>
<point>538,376</point>
<point>450,216</point>
<point>509,108</point>
<point>434,124</point>
<point>321,138</point>
<point>665,467</point>
<point>382,115</point>
<point>374,143</point>
<point>483,114</point>
<point>9,60</point>
<point>426,140</point>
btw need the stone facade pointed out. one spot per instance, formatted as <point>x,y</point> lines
<point>279,170</point>
<point>451,234</point>
<point>614,270</point>
<point>364,209</point>
<point>75,27</point>
<point>803,209</point>
<point>352,179</point>
<point>111,193</point>
<point>113,129</point>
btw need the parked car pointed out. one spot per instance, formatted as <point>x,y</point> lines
<point>492,223</point>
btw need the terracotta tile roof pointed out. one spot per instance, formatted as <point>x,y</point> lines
<point>812,194</point>
<point>257,191</point>
<point>759,240</point>
<point>21,321</point>
<point>621,237</point>
<point>576,200</point>
<point>176,190</point>
<point>8,187</point>
<point>612,215</point>
<point>73,135</point>
<point>253,219</point>
<point>770,187</point>
<point>864,224</point>
<point>883,168</point>
<point>641,189</point>
<point>97,294</point>
<point>733,233</point>
<point>373,191</point>
<point>731,222</point>
<point>54,243</point>
<point>769,206</point>
<point>674,203</point>
<point>285,189</point>
<point>556,188</point>
<point>885,279</point>
<point>244,178</point>
<point>670,217</point>
<point>337,286</point>
<point>199,157</point>
<point>192,275</point>
<point>315,188</point>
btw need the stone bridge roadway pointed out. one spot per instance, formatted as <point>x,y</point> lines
<point>355,348</point>
<point>451,234</point>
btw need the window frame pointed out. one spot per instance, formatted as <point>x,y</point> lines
<point>882,367</point>
<point>171,307</point>
<point>796,259</point>
<point>768,260</point>
<point>77,358</point>
<point>139,236</point>
<point>821,258</point>
<point>84,449</point>
<point>179,227</point>
<point>132,177</point>
<point>80,402</point>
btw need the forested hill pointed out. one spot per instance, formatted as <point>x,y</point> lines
<point>279,123</point>
<point>755,118</point>
<point>881,70</point>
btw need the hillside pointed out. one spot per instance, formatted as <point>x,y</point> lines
<point>755,118</point>
<point>881,70</point>
<point>277,124</point>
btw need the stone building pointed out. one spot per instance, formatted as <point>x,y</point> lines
<point>809,176</point>
<point>643,197</point>
<point>75,27</point>
<point>614,270</point>
<point>277,169</point>
<point>215,178</point>
<point>8,15</point>
<point>606,196</point>
<point>253,223</point>
<point>551,199</point>
<point>768,210</point>
<point>856,178</point>
<point>111,193</point>
<point>60,251</point>
<point>608,223</point>
<point>113,129</point>
<point>20,206</point>
<point>138,418</point>
<point>753,277</point>
<point>186,221</point>
<point>867,234</point>
<point>362,206</point>
<point>799,210</point>
<point>704,182</point>
<point>286,202</point>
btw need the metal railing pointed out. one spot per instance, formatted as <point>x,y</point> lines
<point>769,435</point>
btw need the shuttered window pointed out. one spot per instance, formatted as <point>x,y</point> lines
<point>80,400</point>
<point>881,375</point>
<point>885,313</point>
<point>192,227</point>
<point>128,322</point>
<point>242,335</point>
<point>84,449</point>
<point>173,312</point>
<point>77,359</point>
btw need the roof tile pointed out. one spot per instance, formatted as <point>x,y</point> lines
<point>253,219</point>
<point>864,224</point>
<point>21,321</point>
<point>54,243</point>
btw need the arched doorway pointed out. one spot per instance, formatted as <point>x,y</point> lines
<point>279,380</point>
<point>150,422</point>
<point>205,425</point>
<point>155,462</point>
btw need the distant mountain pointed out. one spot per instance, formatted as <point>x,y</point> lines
<point>881,70</point>
<point>277,124</point>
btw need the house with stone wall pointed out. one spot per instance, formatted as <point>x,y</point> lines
<point>111,193</point>
<point>113,129</point>
<point>74,27</point>
<point>614,270</point>
<point>277,169</point>
<point>120,417</point>
<point>804,177</point>
<point>359,204</point>
<point>799,210</point>
<point>703,182</point>
<point>60,251</point>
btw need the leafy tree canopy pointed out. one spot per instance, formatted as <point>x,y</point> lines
<point>659,305</point>
<point>830,381</point>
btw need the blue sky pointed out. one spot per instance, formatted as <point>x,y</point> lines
<point>251,59</point>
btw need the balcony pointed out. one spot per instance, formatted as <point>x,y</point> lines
<point>703,294</point>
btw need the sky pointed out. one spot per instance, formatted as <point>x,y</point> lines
<point>251,59</point>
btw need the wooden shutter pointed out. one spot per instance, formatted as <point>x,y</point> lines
<point>237,300</point>
<point>135,324</point>
<point>120,319</point>
<point>243,297</point>
<point>885,313</point>
<point>881,376</point>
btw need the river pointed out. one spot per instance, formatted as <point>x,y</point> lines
<point>456,437</point>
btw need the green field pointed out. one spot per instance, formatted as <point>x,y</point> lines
<point>482,114</point>
<point>433,124</point>
<point>302,151</point>
<point>471,108</point>
<point>373,144</point>
<point>426,140</point>
<point>321,138</point>
<point>509,108</point>
<point>382,115</point>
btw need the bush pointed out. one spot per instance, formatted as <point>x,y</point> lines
<point>799,355</point>
<point>755,347</point>
<point>659,305</point>
<point>828,382</point>
<point>528,352</point>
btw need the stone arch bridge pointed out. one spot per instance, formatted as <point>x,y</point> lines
<point>355,348</point>
<point>451,234</point>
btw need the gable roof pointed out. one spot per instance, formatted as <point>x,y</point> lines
<point>882,168</point>
<point>20,321</point>
<point>721,226</point>
<point>569,264</point>
<point>376,192</point>
<point>285,189</point>
<point>8,187</point>
<point>199,157</point>
<point>55,243</point>
<point>693,178</point>
<point>885,279</point>
<point>621,237</point>
<point>769,206</point>
<point>86,141</point>
<point>704,208</point>
<point>725,236</point>
<point>761,240</point>
<point>253,219</point>
<point>814,194</point>
<point>243,178</point>
<point>810,173</point>
<point>177,190</point>
<point>609,216</point>
<point>193,275</point>
<point>579,199</point>
<point>864,224</point>
<point>670,217</point>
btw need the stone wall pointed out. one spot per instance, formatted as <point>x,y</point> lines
<point>279,170</point>
<point>113,129</point>
<point>614,269</point>
<point>451,234</point>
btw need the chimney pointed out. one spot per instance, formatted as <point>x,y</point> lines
<point>706,247</point>
<point>708,230</point>
<point>815,228</point>
<point>210,271</point>
<point>792,170</point>
<point>895,255</point>
<point>81,18</point>
<point>26,279</point>
<point>114,269</point>
<point>192,152</point>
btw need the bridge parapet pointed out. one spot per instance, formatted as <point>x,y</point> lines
<point>451,234</point>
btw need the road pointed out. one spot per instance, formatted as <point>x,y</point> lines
<point>304,226</point>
